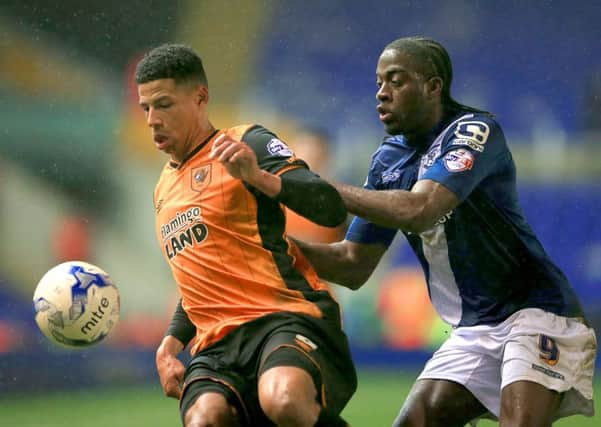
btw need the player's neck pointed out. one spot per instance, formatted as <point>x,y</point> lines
<point>200,136</point>
<point>422,137</point>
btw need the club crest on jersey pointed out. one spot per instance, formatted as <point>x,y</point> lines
<point>390,176</point>
<point>201,177</point>
<point>458,160</point>
<point>277,147</point>
<point>430,157</point>
<point>472,133</point>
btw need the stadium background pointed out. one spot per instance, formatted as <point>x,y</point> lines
<point>77,167</point>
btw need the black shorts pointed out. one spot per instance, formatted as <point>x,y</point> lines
<point>233,365</point>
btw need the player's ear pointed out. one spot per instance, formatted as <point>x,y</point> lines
<point>202,95</point>
<point>434,86</point>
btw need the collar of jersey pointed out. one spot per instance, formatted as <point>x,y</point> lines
<point>193,152</point>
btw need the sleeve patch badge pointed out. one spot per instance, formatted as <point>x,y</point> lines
<point>458,160</point>
<point>277,147</point>
<point>474,131</point>
<point>470,143</point>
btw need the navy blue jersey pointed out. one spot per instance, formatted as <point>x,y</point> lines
<point>482,260</point>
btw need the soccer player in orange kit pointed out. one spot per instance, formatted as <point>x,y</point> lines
<point>268,345</point>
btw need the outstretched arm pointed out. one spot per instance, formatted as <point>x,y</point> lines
<point>299,189</point>
<point>312,197</point>
<point>346,263</point>
<point>413,211</point>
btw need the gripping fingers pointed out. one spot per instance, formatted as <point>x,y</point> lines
<point>230,153</point>
<point>221,143</point>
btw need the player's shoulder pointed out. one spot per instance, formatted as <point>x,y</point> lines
<point>392,146</point>
<point>163,176</point>
<point>475,130</point>
<point>166,170</point>
<point>474,121</point>
<point>391,151</point>
<point>265,143</point>
<point>260,139</point>
<point>249,131</point>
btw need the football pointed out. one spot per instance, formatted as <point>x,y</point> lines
<point>76,304</point>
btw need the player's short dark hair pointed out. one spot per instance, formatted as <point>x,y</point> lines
<point>171,61</point>
<point>433,61</point>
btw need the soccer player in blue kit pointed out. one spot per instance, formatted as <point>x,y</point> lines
<point>520,349</point>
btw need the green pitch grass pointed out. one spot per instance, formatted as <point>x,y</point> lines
<point>375,404</point>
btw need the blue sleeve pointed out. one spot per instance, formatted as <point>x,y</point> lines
<point>472,150</point>
<point>363,231</point>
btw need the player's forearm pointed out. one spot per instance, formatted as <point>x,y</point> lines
<point>333,262</point>
<point>312,197</point>
<point>303,192</point>
<point>170,346</point>
<point>267,183</point>
<point>399,209</point>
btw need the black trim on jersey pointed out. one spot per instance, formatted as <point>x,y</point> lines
<point>181,327</point>
<point>271,222</point>
<point>193,152</point>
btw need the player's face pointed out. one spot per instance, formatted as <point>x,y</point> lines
<point>404,102</point>
<point>174,112</point>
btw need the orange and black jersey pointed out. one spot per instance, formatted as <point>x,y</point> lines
<point>225,241</point>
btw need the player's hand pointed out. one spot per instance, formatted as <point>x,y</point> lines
<point>170,369</point>
<point>237,157</point>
